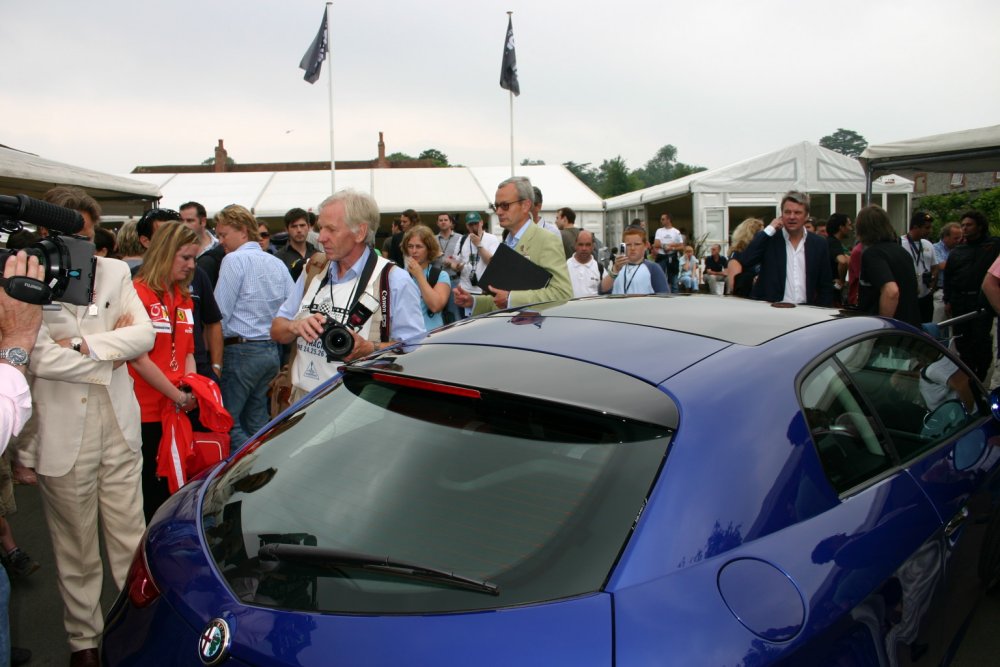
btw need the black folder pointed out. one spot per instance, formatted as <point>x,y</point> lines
<point>511,271</point>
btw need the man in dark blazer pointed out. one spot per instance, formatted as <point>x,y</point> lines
<point>783,244</point>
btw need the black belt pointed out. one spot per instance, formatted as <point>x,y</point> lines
<point>236,340</point>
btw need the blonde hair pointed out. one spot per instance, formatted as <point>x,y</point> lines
<point>127,240</point>
<point>744,233</point>
<point>158,262</point>
<point>239,218</point>
<point>426,237</point>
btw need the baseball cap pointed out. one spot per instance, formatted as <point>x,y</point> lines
<point>920,218</point>
<point>473,218</point>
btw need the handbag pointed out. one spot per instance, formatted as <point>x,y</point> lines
<point>207,449</point>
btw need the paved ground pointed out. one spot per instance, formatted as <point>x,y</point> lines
<point>36,608</point>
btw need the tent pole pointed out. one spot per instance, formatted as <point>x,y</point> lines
<point>329,74</point>
<point>511,95</point>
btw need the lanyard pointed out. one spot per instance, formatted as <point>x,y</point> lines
<point>628,280</point>
<point>918,256</point>
<point>359,287</point>
<point>172,319</point>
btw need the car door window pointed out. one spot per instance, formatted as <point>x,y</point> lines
<point>843,431</point>
<point>918,391</point>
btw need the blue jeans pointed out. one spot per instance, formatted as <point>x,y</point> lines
<point>247,368</point>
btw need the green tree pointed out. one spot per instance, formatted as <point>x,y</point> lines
<point>950,207</point>
<point>398,157</point>
<point>845,142</point>
<point>614,178</point>
<point>439,158</point>
<point>664,167</point>
<point>586,173</point>
<point>527,162</point>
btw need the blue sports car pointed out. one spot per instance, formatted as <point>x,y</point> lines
<point>682,480</point>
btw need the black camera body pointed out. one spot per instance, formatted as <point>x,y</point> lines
<point>926,278</point>
<point>337,338</point>
<point>69,261</point>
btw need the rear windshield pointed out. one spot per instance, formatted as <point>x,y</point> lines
<point>537,499</point>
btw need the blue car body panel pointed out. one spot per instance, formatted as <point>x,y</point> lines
<point>741,511</point>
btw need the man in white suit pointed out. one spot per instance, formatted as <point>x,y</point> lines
<point>86,446</point>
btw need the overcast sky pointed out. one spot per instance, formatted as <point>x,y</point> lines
<point>111,84</point>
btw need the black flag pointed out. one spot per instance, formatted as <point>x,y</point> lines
<point>312,61</point>
<point>508,68</point>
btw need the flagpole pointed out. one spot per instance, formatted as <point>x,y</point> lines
<point>329,74</point>
<point>510,94</point>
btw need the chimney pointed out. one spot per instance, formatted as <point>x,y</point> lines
<point>221,157</point>
<point>382,163</point>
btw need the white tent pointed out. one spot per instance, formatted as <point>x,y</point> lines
<point>428,191</point>
<point>708,204</point>
<point>24,173</point>
<point>967,151</point>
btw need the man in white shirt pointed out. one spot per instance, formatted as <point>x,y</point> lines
<point>536,214</point>
<point>474,253</point>
<point>668,243</point>
<point>584,271</point>
<point>925,263</point>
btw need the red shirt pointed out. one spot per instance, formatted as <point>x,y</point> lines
<point>174,340</point>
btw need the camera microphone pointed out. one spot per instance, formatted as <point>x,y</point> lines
<point>26,209</point>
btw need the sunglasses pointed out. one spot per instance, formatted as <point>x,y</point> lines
<point>265,235</point>
<point>160,214</point>
<point>504,205</point>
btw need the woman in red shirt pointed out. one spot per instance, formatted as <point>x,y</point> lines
<point>162,284</point>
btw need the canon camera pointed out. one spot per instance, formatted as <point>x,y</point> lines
<point>337,338</point>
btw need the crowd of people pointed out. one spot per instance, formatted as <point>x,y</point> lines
<point>219,301</point>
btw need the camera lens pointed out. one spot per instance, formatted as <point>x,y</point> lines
<point>337,342</point>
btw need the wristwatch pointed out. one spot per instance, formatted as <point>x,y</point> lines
<point>15,356</point>
<point>76,342</point>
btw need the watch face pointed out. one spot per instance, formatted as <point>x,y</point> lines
<point>16,355</point>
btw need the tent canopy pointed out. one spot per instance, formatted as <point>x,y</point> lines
<point>450,189</point>
<point>803,166</point>
<point>24,173</point>
<point>967,151</point>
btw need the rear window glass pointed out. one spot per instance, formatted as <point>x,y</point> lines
<point>535,498</point>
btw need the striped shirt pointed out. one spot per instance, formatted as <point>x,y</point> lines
<point>252,286</point>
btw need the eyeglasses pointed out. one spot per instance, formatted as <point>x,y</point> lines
<point>504,205</point>
<point>265,235</point>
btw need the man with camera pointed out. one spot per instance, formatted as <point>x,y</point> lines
<point>85,448</point>
<point>925,264</point>
<point>343,305</point>
<point>474,253</point>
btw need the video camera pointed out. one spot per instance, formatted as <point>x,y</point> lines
<point>336,338</point>
<point>68,260</point>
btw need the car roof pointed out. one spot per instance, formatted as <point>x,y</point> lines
<point>727,319</point>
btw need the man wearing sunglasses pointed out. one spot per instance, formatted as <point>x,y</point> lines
<point>514,200</point>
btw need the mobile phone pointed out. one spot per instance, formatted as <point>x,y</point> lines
<point>621,248</point>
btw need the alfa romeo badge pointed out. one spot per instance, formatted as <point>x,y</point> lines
<point>213,645</point>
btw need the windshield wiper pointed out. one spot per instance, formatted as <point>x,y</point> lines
<point>326,556</point>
